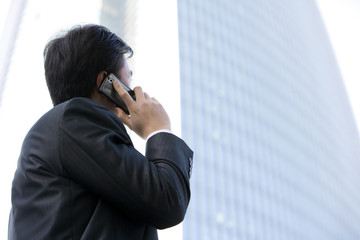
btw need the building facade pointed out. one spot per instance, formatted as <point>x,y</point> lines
<point>264,107</point>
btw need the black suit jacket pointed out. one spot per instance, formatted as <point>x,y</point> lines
<point>79,177</point>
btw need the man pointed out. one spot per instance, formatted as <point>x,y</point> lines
<point>78,174</point>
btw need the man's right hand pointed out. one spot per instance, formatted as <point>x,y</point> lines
<point>147,115</point>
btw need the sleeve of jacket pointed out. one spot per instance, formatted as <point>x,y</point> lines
<point>97,153</point>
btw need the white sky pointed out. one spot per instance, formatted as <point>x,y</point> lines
<point>341,17</point>
<point>342,20</point>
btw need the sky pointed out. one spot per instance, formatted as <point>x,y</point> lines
<point>341,18</point>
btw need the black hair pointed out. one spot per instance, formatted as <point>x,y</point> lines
<point>73,61</point>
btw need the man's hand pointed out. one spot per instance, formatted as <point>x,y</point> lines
<point>147,115</point>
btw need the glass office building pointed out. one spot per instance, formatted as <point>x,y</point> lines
<point>265,108</point>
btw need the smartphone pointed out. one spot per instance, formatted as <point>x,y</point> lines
<point>108,90</point>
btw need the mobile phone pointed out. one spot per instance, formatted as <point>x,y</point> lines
<point>108,90</point>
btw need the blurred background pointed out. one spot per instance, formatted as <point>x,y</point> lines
<point>264,92</point>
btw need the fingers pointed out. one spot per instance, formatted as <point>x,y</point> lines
<point>126,119</point>
<point>154,99</point>
<point>123,94</point>
<point>146,113</point>
<point>146,96</point>
<point>140,95</point>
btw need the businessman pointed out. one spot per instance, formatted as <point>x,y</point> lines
<point>79,175</point>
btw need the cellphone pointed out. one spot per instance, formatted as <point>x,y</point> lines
<point>108,90</point>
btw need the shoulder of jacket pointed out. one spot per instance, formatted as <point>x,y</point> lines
<point>84,111</point>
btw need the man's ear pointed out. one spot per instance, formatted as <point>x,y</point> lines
<point>100,78</point>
